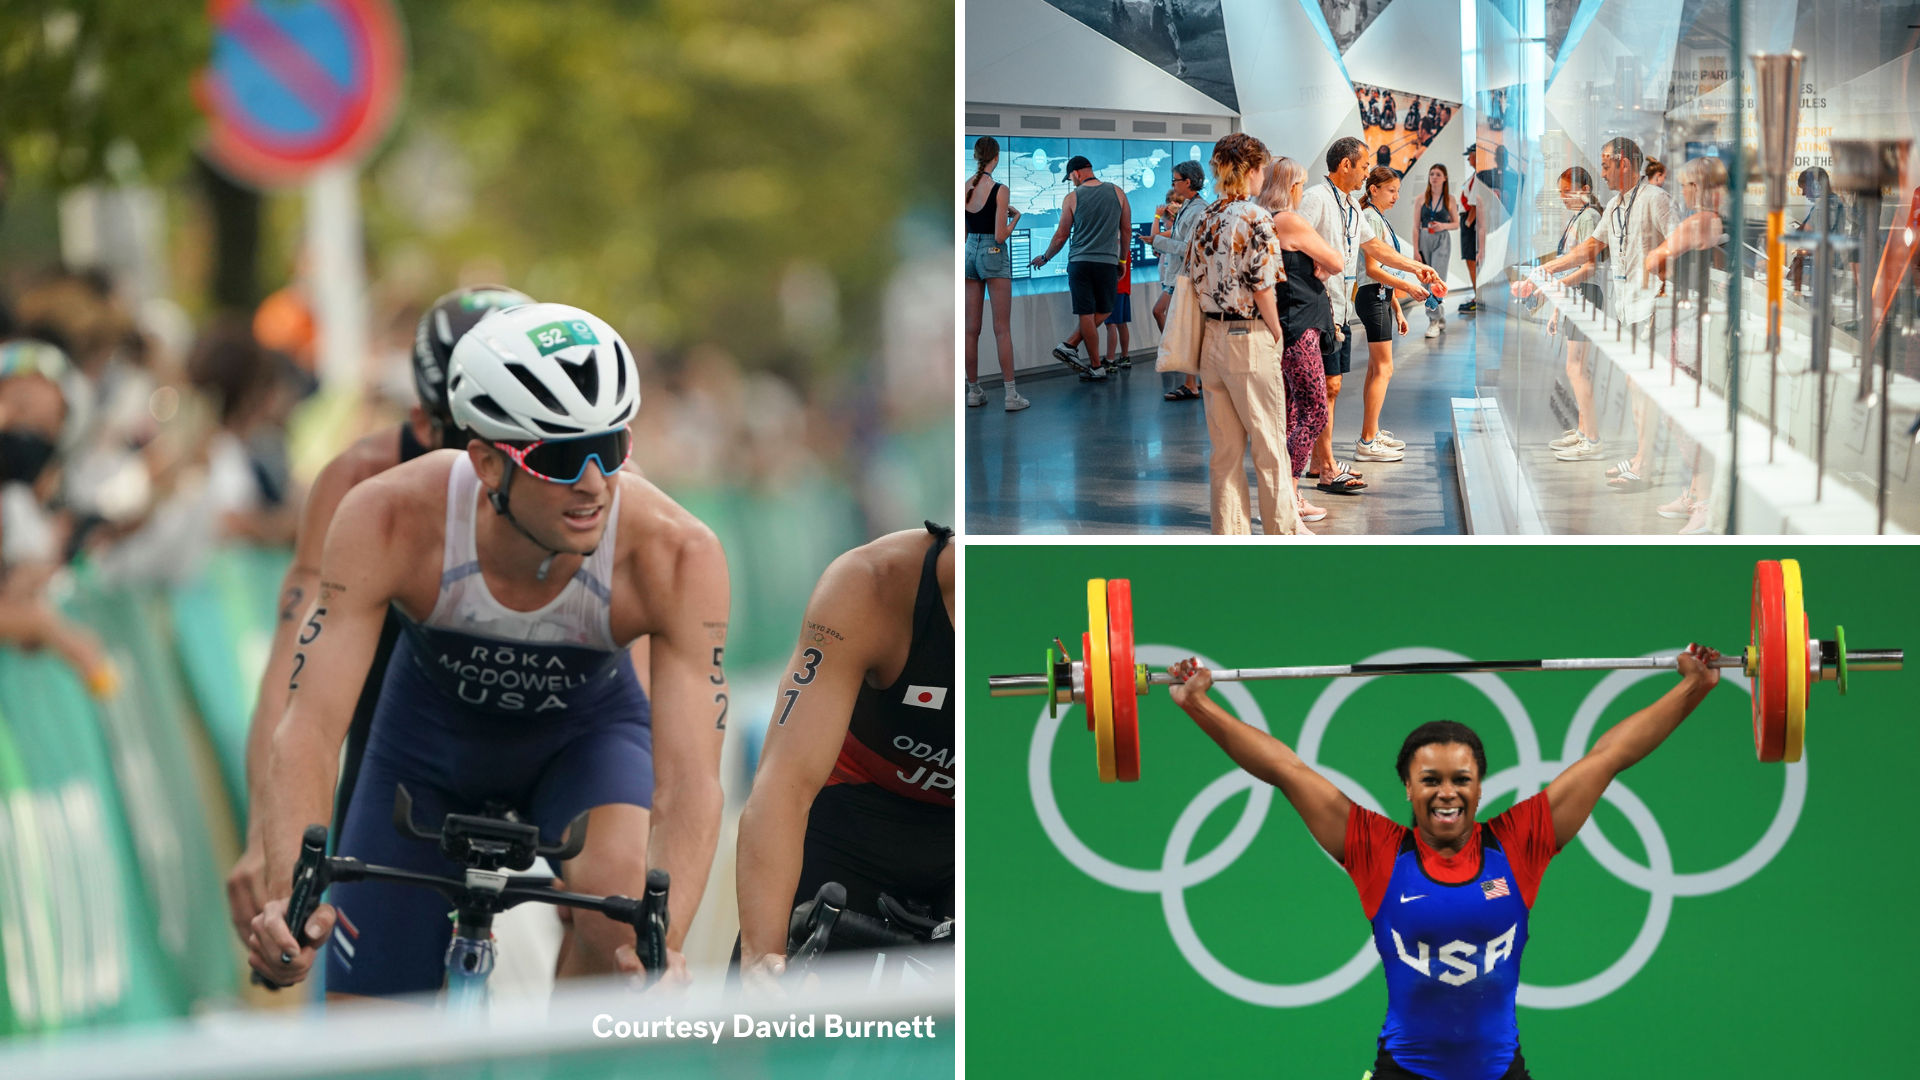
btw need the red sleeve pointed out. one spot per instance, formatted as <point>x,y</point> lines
<point>1372,843</point>
<point>1526,835</point>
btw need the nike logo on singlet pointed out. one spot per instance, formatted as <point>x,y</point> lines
<point>1404,897</point>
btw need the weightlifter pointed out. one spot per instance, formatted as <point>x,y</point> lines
<point>856,782</point>
<point>1448,899</point>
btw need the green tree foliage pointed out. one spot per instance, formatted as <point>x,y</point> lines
<point>93,89</point>
<point>666,161</point>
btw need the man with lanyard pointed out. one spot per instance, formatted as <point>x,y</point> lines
<point>1632,223</point>
<point>1334,212</point>
<point>855,783</point>
<point>1096,218</point>
<point>521,568</point>
<point>429,426</point>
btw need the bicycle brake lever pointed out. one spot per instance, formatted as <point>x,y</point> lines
<point>650,934</point>
<point>828,903</point>
<point>310,879</point>
<point>403,816</point>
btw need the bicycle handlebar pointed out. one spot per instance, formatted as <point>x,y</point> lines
<point>308,884</point>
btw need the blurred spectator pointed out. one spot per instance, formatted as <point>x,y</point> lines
<point>247,472</point>
<point>33,418</point>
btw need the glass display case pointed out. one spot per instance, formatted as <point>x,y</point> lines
<point>1696,300</point>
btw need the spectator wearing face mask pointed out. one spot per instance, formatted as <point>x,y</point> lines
<point>33,417</point>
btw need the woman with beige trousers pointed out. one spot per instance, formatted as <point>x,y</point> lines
<point>1234,263</point>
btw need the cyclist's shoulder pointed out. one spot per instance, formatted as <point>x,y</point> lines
<point>883,573</point>
<point>657,530</point>
<point>403,496</point>
<point>367,457</point>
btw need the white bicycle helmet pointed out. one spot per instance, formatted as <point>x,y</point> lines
<point>542,371</point>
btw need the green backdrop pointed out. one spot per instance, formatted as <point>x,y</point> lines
<point>1784,957</point>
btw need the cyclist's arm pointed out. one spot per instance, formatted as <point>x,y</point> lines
<point>298,588</point>
<point>840,641</point>
<point>1319,803</point>
<point>690,703</point>
<point>332,650</point>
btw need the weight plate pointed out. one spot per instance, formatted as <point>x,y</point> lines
<point>1770,642</point>
<point>1126,704</point>
<point>1100,676</point>
<point>1085,687</point>
<point>1795,625</point>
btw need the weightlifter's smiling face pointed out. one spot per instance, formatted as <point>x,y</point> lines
<point>1443,784</point>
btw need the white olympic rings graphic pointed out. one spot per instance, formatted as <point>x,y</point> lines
<point>1177,873</point>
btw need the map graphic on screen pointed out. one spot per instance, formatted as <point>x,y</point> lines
<point>1034,170</point>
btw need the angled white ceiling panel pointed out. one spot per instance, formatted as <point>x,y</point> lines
<point>1407,48</point>
<point>1293,94</point>
<point>1026,52</point>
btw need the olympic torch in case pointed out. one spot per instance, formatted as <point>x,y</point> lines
<point>1777,78</point>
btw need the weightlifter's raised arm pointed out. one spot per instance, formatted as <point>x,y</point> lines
<point>1319,803</point>
<point>1573,793</point>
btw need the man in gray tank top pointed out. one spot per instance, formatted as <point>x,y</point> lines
<point>1096,220</point>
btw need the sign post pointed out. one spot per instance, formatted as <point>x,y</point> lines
<point>299,91</point>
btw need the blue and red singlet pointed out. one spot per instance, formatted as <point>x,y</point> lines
<point>1450,931</point>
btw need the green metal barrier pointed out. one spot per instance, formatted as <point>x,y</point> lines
<point>222,629</point>
<point>76,943</point>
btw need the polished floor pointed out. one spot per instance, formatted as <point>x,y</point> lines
<point>1118,458</point>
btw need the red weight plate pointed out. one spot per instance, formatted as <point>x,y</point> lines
<point>1770,638</point>
<point>1126,703</point>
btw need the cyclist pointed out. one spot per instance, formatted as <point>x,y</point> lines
<point>855,783</point>
<point>521,568</point>
<point>429,426</point>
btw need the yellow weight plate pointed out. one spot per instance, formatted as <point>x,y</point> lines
<point>1100,679</point>
<point>1796,626</point>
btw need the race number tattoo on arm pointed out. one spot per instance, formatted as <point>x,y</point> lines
<point>299,662</point>
<point>791,696</point>
<point>718,678</point>
<point>311,632</point>
<point>721,724</point>
<point>290,603</point>
<point>812,658</point>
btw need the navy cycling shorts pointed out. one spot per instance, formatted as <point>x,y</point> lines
<point>392,939</point>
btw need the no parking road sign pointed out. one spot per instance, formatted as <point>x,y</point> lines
<point>298,84</point>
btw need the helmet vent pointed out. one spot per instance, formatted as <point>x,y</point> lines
<point>625,414</point>
<point>492,408</point>
<point>620,356</point>
<point>537,389</point>
<point>585,376</point>
<point>555,429</point>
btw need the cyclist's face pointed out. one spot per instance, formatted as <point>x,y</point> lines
<point>1443,784</point>
<point>566,517</point>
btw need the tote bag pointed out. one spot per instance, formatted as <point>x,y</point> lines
<point>1180,341</point>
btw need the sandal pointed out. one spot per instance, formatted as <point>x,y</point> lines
<point>1618,468</point>
<point>1628,482</point>
<point>1338,468</point>
<point>1183,392</point>
<point>1342,483</point>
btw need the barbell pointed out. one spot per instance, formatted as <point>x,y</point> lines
<point>1782,658</point>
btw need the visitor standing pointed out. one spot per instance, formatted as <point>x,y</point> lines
<point>1094,227</point>
<point>990,220</point>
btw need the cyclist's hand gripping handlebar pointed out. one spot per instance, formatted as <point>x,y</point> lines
<point>648,917</point>
<point>309,881</point>
<point>817,928</point>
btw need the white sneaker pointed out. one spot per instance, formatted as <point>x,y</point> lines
<point>1567,438</point>
<point>1581,450</point>
<point>1306,511</point>
<point>1015,402</point>
<point>1700,522</point>
<point>1433,330</point>
<point>976,397</point>
<point>1681,507</point>
<point>1375,450</point>
<point>1385,438</point>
